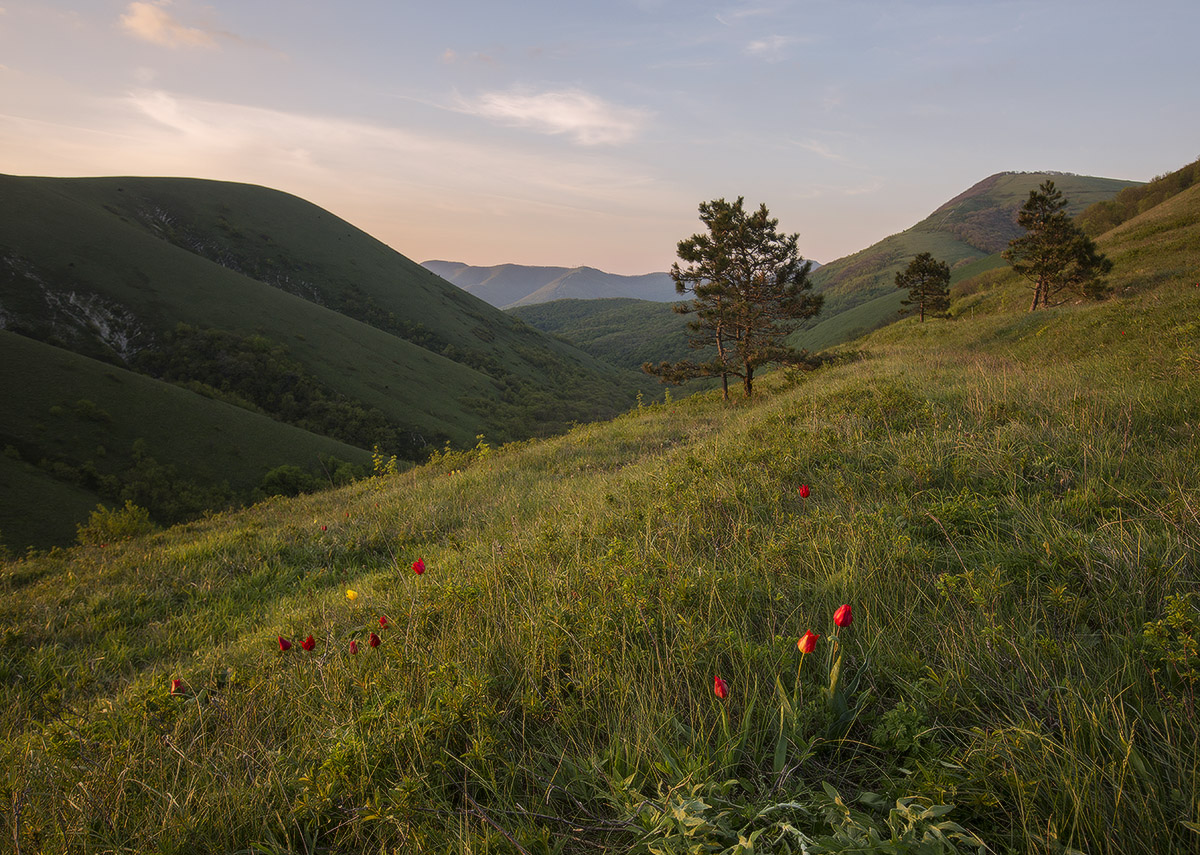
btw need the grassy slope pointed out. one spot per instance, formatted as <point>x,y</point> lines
<point>974,225</point>
<point>118,250</point>
<point>147,250</point>
<point>622,331</point>
<point>1007,500</point>
<point>207,441</point>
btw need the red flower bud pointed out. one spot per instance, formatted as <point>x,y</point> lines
<point>720,688</point>
<point>842,616</point>
<point>808,642</point>
<point>308,643</point>
<point>353,647</point>
<point>177,687</point>
<point>804,491</point>
<point>374,640</point>
<point>419,566</point>
<point>284,644</point>
<point>383,621</point>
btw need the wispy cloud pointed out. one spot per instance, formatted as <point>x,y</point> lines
<point>151,22</point>
<point>588,120</point>
<point>819,149</point>
<point>772,48</point>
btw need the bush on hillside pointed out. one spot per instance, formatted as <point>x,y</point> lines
<point>106,525</point>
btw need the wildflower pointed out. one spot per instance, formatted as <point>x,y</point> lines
<point>351,595</point>
<point>804,491</point>
<point>842,616</point>
<point>177,687</point>
<point>284,644</point>
<point>383,621</point>
<point>720,688</point>
<point>308,643</point>
<point>324,528</point>
<point>353,648</point>
<point>374,639</point>
<point>419,566</point>
<point>808,642</point>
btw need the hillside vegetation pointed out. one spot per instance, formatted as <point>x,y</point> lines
<point>1007,500</point>
<point>256,298</point>
<point>860,291</point>
<point>624,332</point>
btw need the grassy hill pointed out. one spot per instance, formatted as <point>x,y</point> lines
<point>319,324</point>
<point>1007,501</point>
<point>96,421</point>
<point>509,285</point>
<point>970,227</point>
<point>624,332</point>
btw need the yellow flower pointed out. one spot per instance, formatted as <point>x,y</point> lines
<point>352,595</point>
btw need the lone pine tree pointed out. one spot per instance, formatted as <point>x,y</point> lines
<point>750,289</point>
<point>928,284</point>
<point>1054,254</point>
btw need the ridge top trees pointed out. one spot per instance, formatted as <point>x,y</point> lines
<point>928,284</point>
<point>750,288</point>
<point>1055,254</point>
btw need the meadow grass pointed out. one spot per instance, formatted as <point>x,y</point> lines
<point>1016,526</point>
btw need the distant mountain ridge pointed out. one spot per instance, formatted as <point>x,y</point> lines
<point>508,285</point>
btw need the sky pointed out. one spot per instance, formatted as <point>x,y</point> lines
<point>572,132</point>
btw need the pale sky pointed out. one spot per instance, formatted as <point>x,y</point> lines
<point>587,133</point>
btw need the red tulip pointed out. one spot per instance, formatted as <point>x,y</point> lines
<point>383,621</point>
<point>808,642</point>
<point>177,687</point>
<point>842,616</point>
<point>804,491</point>
<point>354,647</point>
<point>419,566</point>
<point>308,643</point>
<point>284,644</point>
<point>720,688</point>
<point>374,640</point>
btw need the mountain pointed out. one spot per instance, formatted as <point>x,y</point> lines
<point>1006,500</point>
<point>860,291</point>
<point>507,285</point>
<point>253,297</point>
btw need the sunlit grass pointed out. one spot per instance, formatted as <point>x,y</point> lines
<point>1008,502</point>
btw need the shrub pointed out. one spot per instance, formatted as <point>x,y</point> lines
<point>105,525</point>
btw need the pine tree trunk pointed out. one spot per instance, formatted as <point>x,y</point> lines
<point>749,381</point>
<point>724,387</point>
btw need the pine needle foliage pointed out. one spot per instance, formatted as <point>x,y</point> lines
<point>1055,254</point>
<point>750,289</point>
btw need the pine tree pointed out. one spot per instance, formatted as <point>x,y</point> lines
<point>1054,254</point>
<point>750,289</point>
<point>928,284</point>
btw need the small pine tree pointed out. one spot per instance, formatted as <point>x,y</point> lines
<point>1054,254</point>
<point>928,284</point>
<point>750,287</point>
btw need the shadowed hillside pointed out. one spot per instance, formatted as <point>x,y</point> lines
<point>262,300</point>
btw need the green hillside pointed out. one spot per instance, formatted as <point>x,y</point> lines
<point>624,332</point>
<point>1006,500</point>
<point>361,340</point>
<point>95,425</point>
<point>973,225</point>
